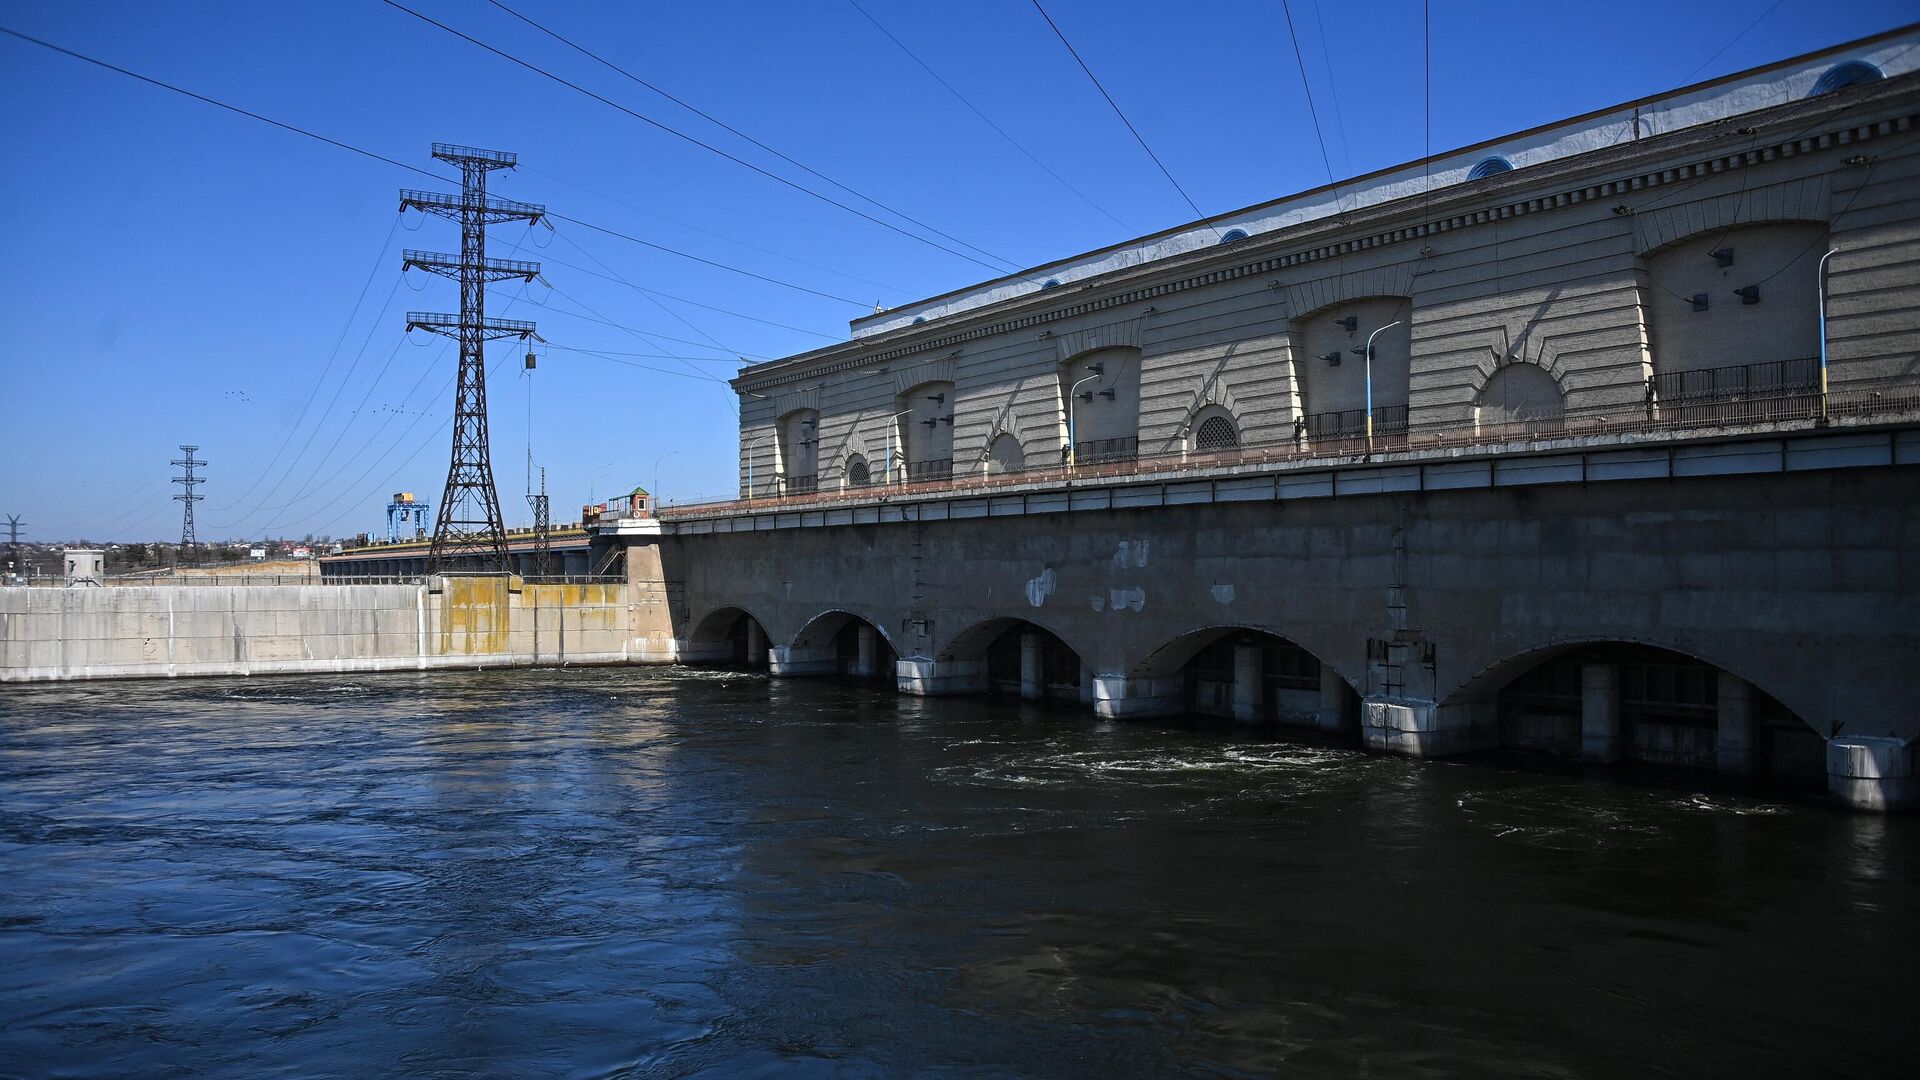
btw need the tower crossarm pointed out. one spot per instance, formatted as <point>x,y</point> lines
<point>451,325</point>
<point>452,206</point>
<point>449,266</point>
<point>473,155</point>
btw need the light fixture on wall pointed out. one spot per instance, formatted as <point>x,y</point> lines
<point>1332,358</point>
<point>937,399</point>
<point>1097,369</point>
<point>1749,294</point>
<point>1721,257</point>
<point>1350,324</point>
<point>1699,301</point>
<point>1109,393</point>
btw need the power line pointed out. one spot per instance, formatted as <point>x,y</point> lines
<point>717,122</point>
<point>578,269</point>
<point>423,172</point>
<point>1308,87</point>
<point>650,298</point>
<point>1731,43</point>
<point>1015,143</point>
<point>1333,89</point>
<point>1116,110</point>
<point>709,147</point>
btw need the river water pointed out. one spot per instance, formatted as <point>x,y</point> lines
<point>665,873</point>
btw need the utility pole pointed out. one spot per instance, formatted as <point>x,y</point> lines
<point>13,542</point>
<point>187,498</point>
<point>469,534</point>
<point>542,528</point>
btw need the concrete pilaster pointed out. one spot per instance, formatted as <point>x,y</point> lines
<point>1868,772</point>
<point>1117,697</point>
<point>1736,735</point>
<point>1086,683</point>
<point>1247,684</point>
<point>1032,671</point>
<point>1600,712</point>
<point>1333,700</point>
<point>865,662</point>
<point>936,678</point>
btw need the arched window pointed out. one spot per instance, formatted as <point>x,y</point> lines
<point>1004,454</point>
<point>1050,283</point>
<point>923,424</point>
<point>1213,430</point>
<point>1331,370</point>
<point>857,475</point>
<point>799,445</point>
<point>1100,400</point>
<point>1489,166</point>
<point>1523,395</point>
<point>1232,235</point>
<point>1844,74</point>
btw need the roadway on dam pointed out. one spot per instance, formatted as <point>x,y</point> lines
<point>673,872</point>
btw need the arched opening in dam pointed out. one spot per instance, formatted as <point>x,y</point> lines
<point>1250,675</point>
<point>843,643</point>
<point>1641,705</point>
<point>730,637</point>
<point>1018,658</point>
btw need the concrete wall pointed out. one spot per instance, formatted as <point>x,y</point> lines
<point>164,631</point>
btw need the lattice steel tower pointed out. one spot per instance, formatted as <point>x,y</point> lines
<point>188,544</point>
<point>542,529</point>
<point>468,533</point>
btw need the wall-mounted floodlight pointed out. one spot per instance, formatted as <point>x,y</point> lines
<point>1748,295</point>
<point>938,399</point>
<point>1109,394</point>
<point>1087,396</point>
<point>1350,324</point>
<point>1722,257</point>
<point>1332,358</point>
<point>1097,369</point>
<point>1699,301</point>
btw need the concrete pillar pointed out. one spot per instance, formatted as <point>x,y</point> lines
<point>784,660</point>
<point>756,644</point>
<point>1333,700</point>
<point>935,678</point>
<point>1737,734</point>
<point>864,666</point>
<point>1247,684</point>
<point>1424,728</point>
<point>1872,772</point>
<point>1117,697</point>
<point>1086,683</point>
<point>1033,684</point>
<point>1600,712</point>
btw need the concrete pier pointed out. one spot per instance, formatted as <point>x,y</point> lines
<point>866,661</point>
<point>936,678</point>
<point>1033,685</point>
<point>1600,712</point>
<point>1117,697</point>
<point>1735,732</point>
<point>1247,684</point>
<point>1868,772</point>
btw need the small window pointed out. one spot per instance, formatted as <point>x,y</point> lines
<point>1490,166</point>
<point>1216,433</point>
<point>857,475</point>
<point>918,319</point>
<point>1050,283</point>
<point>1844,74</point>
<point>1232,235</point>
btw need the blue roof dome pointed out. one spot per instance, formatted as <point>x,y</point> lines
<point>1489,166</point>
<point>1233,234</point>
<point>1844,74</point>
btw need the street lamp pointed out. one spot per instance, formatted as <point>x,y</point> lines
<point>755,441</point>
<point>1073,394</point>
<point>656,474</point>
<point>1370,338</point>
<point>1821,274</point>
<point>893,435</point>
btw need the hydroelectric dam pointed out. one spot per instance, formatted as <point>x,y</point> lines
<point>1596,440</point>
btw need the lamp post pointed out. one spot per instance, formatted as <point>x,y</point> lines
<point>893,433</point>
<point>1073,395</point>
<point>656,474</point>
<point>1821,274</point>
<point>1370,338</point>
<point>755,441</point>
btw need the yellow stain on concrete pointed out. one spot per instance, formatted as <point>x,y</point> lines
<point>476,615</point>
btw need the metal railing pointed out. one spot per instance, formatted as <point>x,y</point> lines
<point>1095,451</point>
<point>1352,423</point>
<point>1862,399</point>
<point>801,485</point>
<point>930,469</point>
<point>1773,378</point>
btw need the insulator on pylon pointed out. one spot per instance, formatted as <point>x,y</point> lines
<point>530,361</point>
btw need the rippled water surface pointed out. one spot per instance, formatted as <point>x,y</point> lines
<point>627,872</point>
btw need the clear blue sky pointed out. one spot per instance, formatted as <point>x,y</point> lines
<point>176,273</point>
